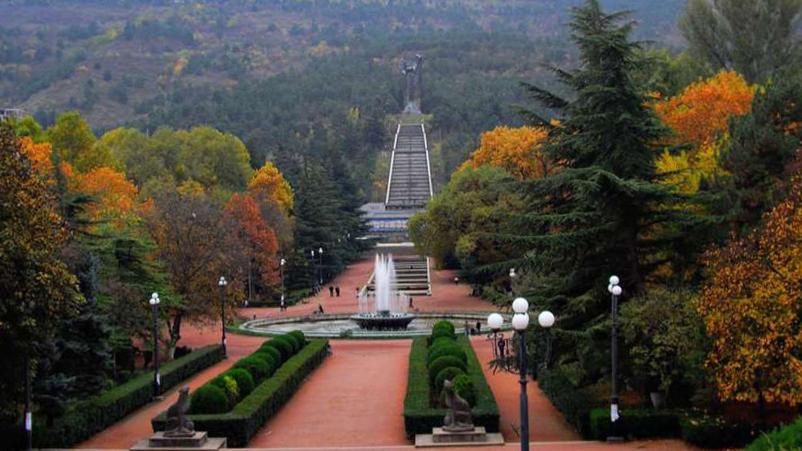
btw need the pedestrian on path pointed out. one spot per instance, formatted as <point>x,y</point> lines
<point>467,328</point>
<point>331,291</point>
<point>320,308</point>
<point>357,292</point>
<point>410,303</point>
<point>478,327</point>
<point>337,290</point>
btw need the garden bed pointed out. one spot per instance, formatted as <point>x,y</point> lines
<point>243,421</point>
<point>85,418</point>
<point>419,415</point>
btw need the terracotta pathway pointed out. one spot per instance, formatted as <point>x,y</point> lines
<point>354,399</point>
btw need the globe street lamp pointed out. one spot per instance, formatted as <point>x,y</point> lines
<point>154,306</point>
<point>320,268</point>
<point>314,262</point>
<point>615,292</point>
<point>282,262</point>
<point>222,284</point>
<point>512,281</point>
<point>546,320</point>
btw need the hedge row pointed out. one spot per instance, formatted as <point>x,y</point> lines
<point>85,418</point>
<point>248,416</point>
<point>420,417</point>
<point>785,438</point>
<point>574,404</point>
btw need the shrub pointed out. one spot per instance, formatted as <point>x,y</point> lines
<point>284,346</point>
<point>272,362</point>
<point>299,335</point>
<point>443,332</point>
<point>297,343</point>
<point>244,381</point>
<point>209,399</point>
<point>420,416</point>
<point>572,402</point>
<point>247,417</point>
<point>83,419</point>
<point>638,423</point>
<point>785,438</point>
<point>444,362</point>
<point>714,432</point>
<point>229,387</point>
<point>464,388</point>
<point>267,348</point>
<point>444,325</point>
<point>452,349</point>
<point>255,365</point>
<point>446,373</point>
<point>443,341</point>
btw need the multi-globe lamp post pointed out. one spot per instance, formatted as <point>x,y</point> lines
<point>222,284</point>
<point>320,267</point>
<point>281,264</point>
<point>520,322</point>
<point>154,302</point>
<point>615,291</point>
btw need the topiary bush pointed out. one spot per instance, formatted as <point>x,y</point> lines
<point>284,346</point>
<point>452,349</point>
<point>444,325</point>
<point>300,336</point>
<point>267,348</point>
<point>443,332</point>
<point>208,399</point>
<point>443,341</point>
<point>272,363</point>
<point>444,362</point>
<point>785,438</point>
<point>463,386</point>
<point>297,343</point>
<point>244,381</point>
<point>446,373</point>
<point>229,386</point>
<point>256,365</point>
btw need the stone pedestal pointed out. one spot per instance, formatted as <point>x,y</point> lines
<point>440,438</point>
<point>198,442</point>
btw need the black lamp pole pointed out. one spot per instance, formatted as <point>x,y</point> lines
<point>222,283</point>
<point>615,292</point>
<point>522,358</point>
<point>28,414</point>
<point>154,304</point>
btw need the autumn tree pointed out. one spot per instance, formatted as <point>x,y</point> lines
<point>519,151</point>
<point>36,288</point>
<point>268,185</point>
<point>197,245</point>
<point>751,304</point>
<point>260,240</point>
<point>698,119</point>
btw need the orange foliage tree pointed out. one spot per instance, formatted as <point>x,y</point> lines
<point>519,151</point>
<point>700,113</point>
<point>40,154</point>
<point>115,197</point>
<point>260,239</point>
<point>752,308</point>
<point>268,184</point>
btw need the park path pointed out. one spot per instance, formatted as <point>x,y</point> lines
<point>355,398</point>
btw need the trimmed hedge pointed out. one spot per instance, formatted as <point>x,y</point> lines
<point>785,438</point>
<point>715,432</point>
<point>244,380</point>
<point>444,362</point>
<point>256,365</point>
<point>85,418</point>
<point>453,349</point>
<point>247,417</point>
<point>284,345</point>
<point>420,417</point>
<point>464,388</point>
<point>449,373</point>
<point>274,353</point>
<point>637,423</point>
<point>210,398</point>
<point>570,401</point>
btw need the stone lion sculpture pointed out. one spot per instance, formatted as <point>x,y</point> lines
<point>458,418</point>
<point>178,425</point>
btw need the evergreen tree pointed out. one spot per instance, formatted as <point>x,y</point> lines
<point>603,213</point>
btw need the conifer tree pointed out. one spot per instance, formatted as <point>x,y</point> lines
<point>604,213</point>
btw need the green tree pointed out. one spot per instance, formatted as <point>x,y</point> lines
<point>604,213</point>
<point>36,287</point>
<point>753,37</point>
<point>74,142</point>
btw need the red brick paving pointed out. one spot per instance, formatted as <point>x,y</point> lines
<point>355,399</point>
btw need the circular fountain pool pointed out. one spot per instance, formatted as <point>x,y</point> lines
<point>344,326</point>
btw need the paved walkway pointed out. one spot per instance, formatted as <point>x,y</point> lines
<point>354,399</point>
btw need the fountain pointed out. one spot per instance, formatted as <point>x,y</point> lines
<point>389,309</point>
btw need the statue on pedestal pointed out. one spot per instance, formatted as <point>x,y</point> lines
<point>178,425</point>
<point>413,91</point>
<point>458,418</point>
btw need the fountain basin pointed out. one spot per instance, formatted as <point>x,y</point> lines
<point>383,320</point>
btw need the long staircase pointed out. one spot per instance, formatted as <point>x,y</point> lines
<point>412,276</point>
<point>409,185</point>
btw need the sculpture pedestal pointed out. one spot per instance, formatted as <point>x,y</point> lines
<point>198,441</point>
<point>476,437</point>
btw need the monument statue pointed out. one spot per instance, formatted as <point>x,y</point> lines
<point>458,418</point>
<point>178,425</point>
<point>412,71</point>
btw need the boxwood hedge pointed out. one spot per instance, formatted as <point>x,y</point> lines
<point>247,417</point>
<point>420,417</point>
<point>85,418</point>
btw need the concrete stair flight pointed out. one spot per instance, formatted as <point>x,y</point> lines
<point>409,184</point>
<point>412,276</point>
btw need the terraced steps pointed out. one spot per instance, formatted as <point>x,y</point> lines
<point>409,184</point>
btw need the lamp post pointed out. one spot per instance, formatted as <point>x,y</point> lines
<point>546,320</point>
<point>520,322</point>
<point>27,410</point>
<point>154,306</point>
<point>320,267</point>
<point>222,284</point>
<point>282,262</point>
<point>512,281</point>
<point>615,292</point>
<point>313,264</point>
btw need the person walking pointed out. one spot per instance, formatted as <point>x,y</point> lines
<point>331,291</point>
<point>467,328</point>
<point>410,303</point>
<point>501,345</point>
<point>337,290</point>
<point>320,308</point>
<point>478,327</point>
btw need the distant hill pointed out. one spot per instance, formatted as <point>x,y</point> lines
<point>118,61</point>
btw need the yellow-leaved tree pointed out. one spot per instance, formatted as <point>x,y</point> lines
<point>517,150</point>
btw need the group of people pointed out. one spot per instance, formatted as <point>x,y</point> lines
<point>333,290</point>
<point>473,331</point>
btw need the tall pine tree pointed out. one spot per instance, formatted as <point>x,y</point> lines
<point>603,213</point>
